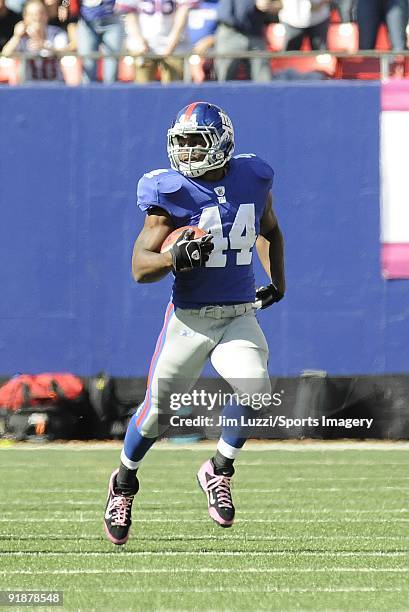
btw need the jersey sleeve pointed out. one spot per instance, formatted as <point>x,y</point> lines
<point>154,189</point>
<point>263,170</point>
<point>257,166</point>
<point>146,194</point>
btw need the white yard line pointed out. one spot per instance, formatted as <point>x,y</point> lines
<point>232,538</point>
<point>207,570</point>
<point>255,591</point>
<point>204,553</point>
<point>80,519</point>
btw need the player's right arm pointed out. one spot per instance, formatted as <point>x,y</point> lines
<point>148,264</point>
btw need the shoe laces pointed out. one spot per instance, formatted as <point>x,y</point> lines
<point>120,506</point>
<point>221,485</point>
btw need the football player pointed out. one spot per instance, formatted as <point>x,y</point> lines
<point>212,311</point>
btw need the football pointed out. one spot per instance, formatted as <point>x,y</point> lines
<point>171,239</point>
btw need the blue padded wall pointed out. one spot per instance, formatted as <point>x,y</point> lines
<point>69,166</point>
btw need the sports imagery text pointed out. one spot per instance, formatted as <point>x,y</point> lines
<point>270,421</point>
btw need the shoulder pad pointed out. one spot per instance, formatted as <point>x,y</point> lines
<point>166,180</point>
<point>154,189</point>
<point>258,165</point>
<point>170,183</point>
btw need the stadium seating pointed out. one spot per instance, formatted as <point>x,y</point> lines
<point>9,71</point>
<point>335,18</point>
<point>369,68</point>
<point>126,69</point>
<point>343,37</point>
<point>4,69</point>
<point>382,40</point>
<point>275,34</point>
<point>197,68</point>
<point>364,68</point>
<point>71,69</point>
<point>70,66</point>
<point>324,63</point>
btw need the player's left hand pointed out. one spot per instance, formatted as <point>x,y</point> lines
<point>266,296</point>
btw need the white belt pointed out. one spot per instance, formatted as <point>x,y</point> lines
<point>220,312</point>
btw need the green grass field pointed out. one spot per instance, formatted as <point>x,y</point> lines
<point>315,529</point>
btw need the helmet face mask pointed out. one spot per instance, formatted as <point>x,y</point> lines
<point>216,131</point>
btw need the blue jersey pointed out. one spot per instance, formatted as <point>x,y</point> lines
<point>231,209</point>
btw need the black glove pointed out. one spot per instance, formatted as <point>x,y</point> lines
<point>265,296</point>
<point>189,252</point>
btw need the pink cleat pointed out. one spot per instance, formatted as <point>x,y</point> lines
<point>217,489</point>
<point>117,519</point>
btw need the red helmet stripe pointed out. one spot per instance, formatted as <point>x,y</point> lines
<point>190,110</point>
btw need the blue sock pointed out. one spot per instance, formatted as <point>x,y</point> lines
<point>135,445</point>
<point>236,435</point>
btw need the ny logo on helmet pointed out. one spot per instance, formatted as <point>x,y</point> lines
<point>226,121</point>
<point>187,122</point>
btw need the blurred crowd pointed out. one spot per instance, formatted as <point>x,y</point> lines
<point>168,29</point>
